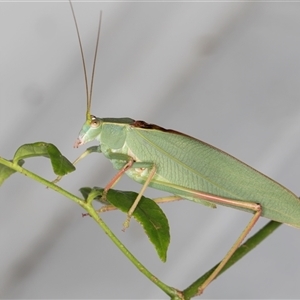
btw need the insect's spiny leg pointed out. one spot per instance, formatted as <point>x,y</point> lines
<point>214,274</point>
<point>117,177</point>
<point>138,198</point>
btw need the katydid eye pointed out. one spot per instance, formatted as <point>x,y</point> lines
<point>94,122</point>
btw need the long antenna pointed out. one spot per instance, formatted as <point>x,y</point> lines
<point>94,63</point>
<point>88,91</point>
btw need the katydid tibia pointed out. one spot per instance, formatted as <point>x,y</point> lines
<point>185,167</point>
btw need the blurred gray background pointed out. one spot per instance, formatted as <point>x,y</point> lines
<point>225,73</point>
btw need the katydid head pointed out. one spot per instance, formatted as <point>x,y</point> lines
<point>90,130</point>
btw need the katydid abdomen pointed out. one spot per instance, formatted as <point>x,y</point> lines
<point>186,166</point>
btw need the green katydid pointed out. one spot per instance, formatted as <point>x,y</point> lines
<point>185,167</point>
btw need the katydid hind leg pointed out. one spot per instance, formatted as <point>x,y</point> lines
<point>257,209</point>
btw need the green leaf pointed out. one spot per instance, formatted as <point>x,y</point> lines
<point>85,191</point>
<point>5,171</point>
<point>147,213</point>
<point>90,194</point>
<point>60,164</point>
<point>95,194</point>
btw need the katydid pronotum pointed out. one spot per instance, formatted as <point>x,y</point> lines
<point>185,167</point>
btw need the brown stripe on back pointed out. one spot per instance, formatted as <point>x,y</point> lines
<point>145,125</point>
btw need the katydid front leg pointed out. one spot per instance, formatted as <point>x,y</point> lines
<point>83,155</point>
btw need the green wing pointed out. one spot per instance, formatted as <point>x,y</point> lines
<point>185,165</point>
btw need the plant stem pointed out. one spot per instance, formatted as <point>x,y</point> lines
<point>172,292</point>
<point>250,244</point>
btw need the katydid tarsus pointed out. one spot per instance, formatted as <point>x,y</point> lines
<point>185,167</point>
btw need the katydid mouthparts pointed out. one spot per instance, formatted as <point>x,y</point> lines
<point>186,167</point>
